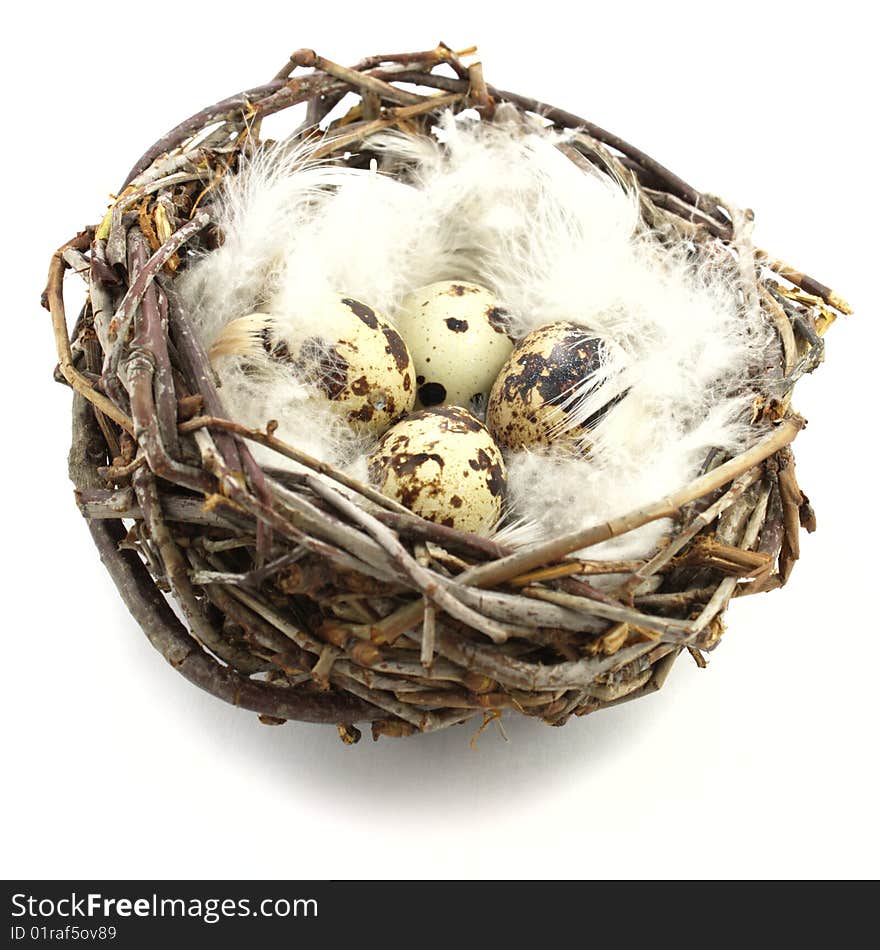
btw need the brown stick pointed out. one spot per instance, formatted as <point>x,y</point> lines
<point>53,301</point>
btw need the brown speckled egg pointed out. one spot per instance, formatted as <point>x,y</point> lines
<point>457,335</point>
<point>443,465</point>
<point>355,358</point>
<point>527,404</point>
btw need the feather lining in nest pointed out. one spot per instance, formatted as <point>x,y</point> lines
<point>500,204</point>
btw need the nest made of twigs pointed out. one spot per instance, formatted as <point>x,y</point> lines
<point>304,602</point>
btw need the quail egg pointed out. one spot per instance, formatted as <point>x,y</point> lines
<point>458,337</point>
<point>345,351</point>
<point>442,464</point>
<point>532,401</point>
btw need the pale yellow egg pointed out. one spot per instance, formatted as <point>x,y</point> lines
<point>346,353</point>
<point>457,334</point>
<point>442,464</point>
<point>531,402</point>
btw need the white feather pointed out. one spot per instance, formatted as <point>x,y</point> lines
<point>502,205</point>
<point>259,213</point>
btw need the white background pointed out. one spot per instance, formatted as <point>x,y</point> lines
<point>763,765</point>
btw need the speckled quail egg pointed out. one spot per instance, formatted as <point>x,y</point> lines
<point>345,351</point>
<point>531,400</point>
<point>443,465</point>
<point>458,337</point>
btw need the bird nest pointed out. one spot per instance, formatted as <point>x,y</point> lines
<point>315,597</point>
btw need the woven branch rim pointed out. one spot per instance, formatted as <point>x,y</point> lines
<point>477,637</point>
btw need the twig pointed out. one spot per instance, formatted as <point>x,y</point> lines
<point>53,301</point>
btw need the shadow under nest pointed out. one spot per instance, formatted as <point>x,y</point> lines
<point>303,601</point>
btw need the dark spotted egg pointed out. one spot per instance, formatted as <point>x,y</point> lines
<point>458,337</point>
<point>345,353</point>
<point>442,464</point>
<point>532,401</point>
